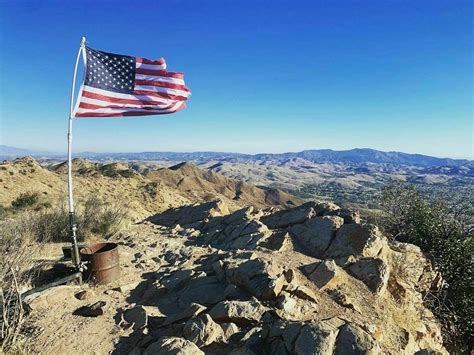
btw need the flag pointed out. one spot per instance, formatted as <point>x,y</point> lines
<point>122,85</point>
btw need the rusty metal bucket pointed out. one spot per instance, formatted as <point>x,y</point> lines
<point>103,262</point>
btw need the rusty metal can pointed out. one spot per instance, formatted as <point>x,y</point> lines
<point>103,262</point>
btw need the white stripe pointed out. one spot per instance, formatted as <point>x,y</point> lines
<point>106,103</point>
<point>164,79</point>
<point>162,90</point>
<point>127,96</point>
<point>114,110</point>
<point>151,66</point>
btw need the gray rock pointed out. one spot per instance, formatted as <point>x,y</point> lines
<point>373,272</point>
<point>260,278</point>
<point>352,340</point>
<point>289,217</point>
<point>358,240</point>
<point>202,330</point>
<point>317,339</point>
<point>326,274</point>
<point>193,310</point>
<point>176,280</point>
<point>316,234</point>
<point>207,290</point>
<point>172,346</point>
<point>229,329</point>
<point>136,316</point>
<point>239,312</point>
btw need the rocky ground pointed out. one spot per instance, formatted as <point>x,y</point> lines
<point>207,279</point>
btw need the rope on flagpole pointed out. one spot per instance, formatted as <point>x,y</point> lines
<point>72,219</point>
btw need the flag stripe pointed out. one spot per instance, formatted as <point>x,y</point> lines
<point>159,78</point>
<point>124,103</point>
<point>159,61</point>
<point>110,96</point>
<point>160,73</point>
<point>161,84</point>
<point>105,112</point>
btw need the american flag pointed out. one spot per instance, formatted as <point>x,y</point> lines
<point>121,85</point>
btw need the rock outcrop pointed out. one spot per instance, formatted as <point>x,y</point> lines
<point>309,280</point>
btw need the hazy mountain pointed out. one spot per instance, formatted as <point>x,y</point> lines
<point>352,156</point>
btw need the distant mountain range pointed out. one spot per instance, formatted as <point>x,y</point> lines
<point>353,156</point>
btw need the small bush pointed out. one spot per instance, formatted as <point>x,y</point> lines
<point>16,271</point>
<point>27,199</point>
<point>444,232</point>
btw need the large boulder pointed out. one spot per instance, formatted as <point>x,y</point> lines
<point>357,240</point>
<point>202,330</point>
<point>373,272</point>
<point>317,339</point>
<point>191,214</point>
<point>352,340</point>
<point>316,234</point>
<point>327,275</point>
<point>205,290</point>
<point>239,312</point>
<point>289,217</point>
<point>261,278</point>
<point>172,346</point>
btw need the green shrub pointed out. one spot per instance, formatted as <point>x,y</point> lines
<point>442,230</point>
<point>27,199</point>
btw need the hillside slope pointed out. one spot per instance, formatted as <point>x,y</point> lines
<point>155,191</point>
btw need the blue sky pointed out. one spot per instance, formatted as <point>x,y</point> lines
<point>266,76</point>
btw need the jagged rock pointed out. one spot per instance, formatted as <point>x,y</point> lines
<point>357,240</point>
<point>349,216</point>
<point>190,214</point>
<point>373,272</point>
<point>172,346</point>
<point>260,278</point>
<point>327,274</point>
<point>325,208</point>
<point>202,330</point>
<point>176,280</point>
<point>302,292</point>
<point>278,241</point>
<point>290,334</point>
<point>136,316</point>
<point>289,217</point>
<point>353,340</point>
<point>229,329</point>
<point>316,234</point>
<point>207,290</point>
<point>92,310</point>
<point>193,310</point>
<point>316,339</point>
<point>239,312</point>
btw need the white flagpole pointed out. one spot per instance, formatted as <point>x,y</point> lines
<point>72,219</point>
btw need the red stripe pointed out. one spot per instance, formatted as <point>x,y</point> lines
<point>129,113</point>
<point>159,61</point>
<point>95,107</point>
<point>160,94</point>
<point>115,100</point>
<point>168,74</point>
<point>161,84</point>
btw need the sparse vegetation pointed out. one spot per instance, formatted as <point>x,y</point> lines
<point>444,232</point>
<point>27,199</point>
<point>16,271</point>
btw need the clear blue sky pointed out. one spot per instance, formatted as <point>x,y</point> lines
<point>266,76</point>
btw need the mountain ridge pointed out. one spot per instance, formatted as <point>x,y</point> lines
<point>351,156</point>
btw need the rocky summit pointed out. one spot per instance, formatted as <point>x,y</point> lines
<point>200,279</point>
